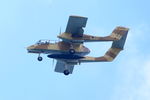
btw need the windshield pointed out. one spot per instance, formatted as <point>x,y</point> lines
<point>45,42</point>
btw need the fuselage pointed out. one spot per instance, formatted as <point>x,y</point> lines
<point>59,50</point>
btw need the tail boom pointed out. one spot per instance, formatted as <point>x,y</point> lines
<point>111,54</point>
<point>117,34</point>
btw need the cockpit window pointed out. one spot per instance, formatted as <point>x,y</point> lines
<point>45,42</point>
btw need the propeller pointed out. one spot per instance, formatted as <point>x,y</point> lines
<point>59,34</point>
<point>53,62</point>
<point>60,31</point>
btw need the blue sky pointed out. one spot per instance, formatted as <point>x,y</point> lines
<point>22,77</point>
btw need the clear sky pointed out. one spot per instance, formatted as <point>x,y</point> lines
<point>23,22</point>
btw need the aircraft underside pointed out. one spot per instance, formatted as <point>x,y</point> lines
<point>71,51</point>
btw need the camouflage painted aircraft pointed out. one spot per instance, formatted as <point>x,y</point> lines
<point>70,50</point>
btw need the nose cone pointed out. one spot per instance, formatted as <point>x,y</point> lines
<point>30,48</point>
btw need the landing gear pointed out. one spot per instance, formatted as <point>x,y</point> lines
<point>66,72</point>
<point>71,51</point>
<point>39,58</point>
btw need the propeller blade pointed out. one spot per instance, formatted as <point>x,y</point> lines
<point>53,62</point>
<point>60,31</point>
<point>59,34</point>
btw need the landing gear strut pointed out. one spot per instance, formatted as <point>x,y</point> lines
<point>39,58</point>
<point>66,72</point>
<point>71,51</point>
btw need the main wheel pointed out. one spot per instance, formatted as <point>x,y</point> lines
<point>71,51</point>
<point>40,58</point>
<point>66,72</point>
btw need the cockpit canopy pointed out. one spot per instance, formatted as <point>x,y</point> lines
<point>45,42</point>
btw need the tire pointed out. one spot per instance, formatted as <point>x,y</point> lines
<point>40,58</point>
<point>66,72</point>
<point>72,51</point>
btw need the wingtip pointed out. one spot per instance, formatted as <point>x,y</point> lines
<point>123,28</point>
<point>77,16</point>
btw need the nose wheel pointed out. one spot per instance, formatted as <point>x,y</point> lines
<point>39,58</point>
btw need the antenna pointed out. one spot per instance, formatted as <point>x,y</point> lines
<point>59,33</point>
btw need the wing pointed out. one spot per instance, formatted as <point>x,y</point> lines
<point>75,26</point>
<point>61,66</point>
<point>111,54</point>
